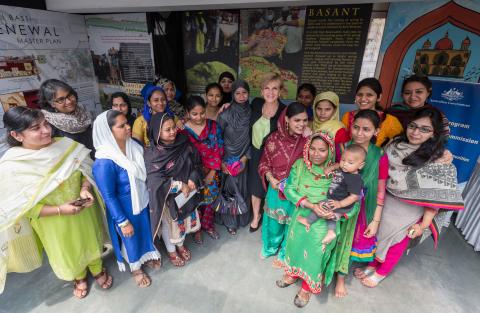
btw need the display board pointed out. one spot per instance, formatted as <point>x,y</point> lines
<point>37,45</point>
<point>121,49</point>
<point>440,39</point>
<point>323,45</point>
<point>210,40</point>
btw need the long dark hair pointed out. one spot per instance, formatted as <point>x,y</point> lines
<point>295,108</point>
<point>18,119</point>
<point>430,150</point>
<point>370,115</point>
<point>374,84</point>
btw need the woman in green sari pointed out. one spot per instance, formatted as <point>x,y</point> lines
<point>49,183</point>
<point>306,186</point>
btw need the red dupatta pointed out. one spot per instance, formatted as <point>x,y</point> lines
<point>280,151</point>
<point>209,144</point>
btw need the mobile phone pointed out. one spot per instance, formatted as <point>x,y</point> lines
<point>80,202</point>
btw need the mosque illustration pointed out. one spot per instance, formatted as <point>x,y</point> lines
<point>442,60</point>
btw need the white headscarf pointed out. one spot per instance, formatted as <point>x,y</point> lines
<point>107,148</point>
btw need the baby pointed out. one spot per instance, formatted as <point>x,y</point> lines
<point>344,190</point>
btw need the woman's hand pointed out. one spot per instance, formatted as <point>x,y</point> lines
<point>86,194</point>
<point>127,230</point>
<point>70,209</point>
<point>181,124</point>
<point>446,158</point>
<point>223,107</point>
<point>321,212</point>
<point>191,185</point>
<point>371,230</point>
<point>274,183</point>
<point>209,177</point>
<point>243,160</point>
<point>224,169</point>
<point>415,231</point>
<point>329,169</point>
<point>307,132</point>
<point>334,204</point>
<point>185,189</point>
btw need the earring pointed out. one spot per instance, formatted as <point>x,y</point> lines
<point>287,126</point>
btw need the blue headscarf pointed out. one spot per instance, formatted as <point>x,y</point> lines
<point>146,93</point>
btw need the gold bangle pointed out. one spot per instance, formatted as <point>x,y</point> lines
<point>58,211</point>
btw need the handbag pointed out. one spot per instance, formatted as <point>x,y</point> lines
<point>227,203</point>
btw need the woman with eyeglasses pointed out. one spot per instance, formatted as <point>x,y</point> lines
<point>419,184</point>
<point>416,90</point>
<point>68,118</point>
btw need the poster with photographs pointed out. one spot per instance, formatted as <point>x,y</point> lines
<point>271,40</point>
<point>36,45</point>
<point>121,49</point>
<point>210,41</point>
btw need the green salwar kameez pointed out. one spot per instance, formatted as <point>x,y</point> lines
<point>73,243</point>
<point>276,218</point>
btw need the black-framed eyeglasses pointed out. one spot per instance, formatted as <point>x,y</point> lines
<point>62,100</point>
<point>423,129</point>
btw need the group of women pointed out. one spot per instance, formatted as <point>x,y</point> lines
<point>177,170</point>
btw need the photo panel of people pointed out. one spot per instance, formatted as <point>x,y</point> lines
<point>210,46</point>
<point>271,41</point>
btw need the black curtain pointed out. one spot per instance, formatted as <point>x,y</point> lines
<point>166,30</point>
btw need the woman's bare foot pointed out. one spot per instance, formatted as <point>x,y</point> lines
<point>340,289</point>
<point>304,221</point>
<point>278,264</point>
<point>197,238</point>
<point>372,281</point>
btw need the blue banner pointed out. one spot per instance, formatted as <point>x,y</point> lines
<point>461,104</point>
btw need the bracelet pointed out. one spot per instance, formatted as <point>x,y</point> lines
<point>375,221</point>
<point>58,211</point>
<point>123,224</point>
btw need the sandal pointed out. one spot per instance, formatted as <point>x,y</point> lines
<point>176,260</point>
<point>372,281</point>
<point>362,273</point>
<point>197,238</point>
<point>154,264</point>
<point>213,234</point>
<point>141,278</point>
<point>78,292</point>
<point>299,301</point>
<point>232,231</point>
<point>283,283</point>
<point>184,253</point>
<point>104,280</point>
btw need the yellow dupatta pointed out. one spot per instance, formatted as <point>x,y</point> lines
<point>333,125</point>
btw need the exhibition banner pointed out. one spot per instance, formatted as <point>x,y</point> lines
<point>121,49</point>
<point>322,45</point>
<point>210,40</point>
<point>460,102</point>
<point>333,47</point>
<point>37,45</point>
